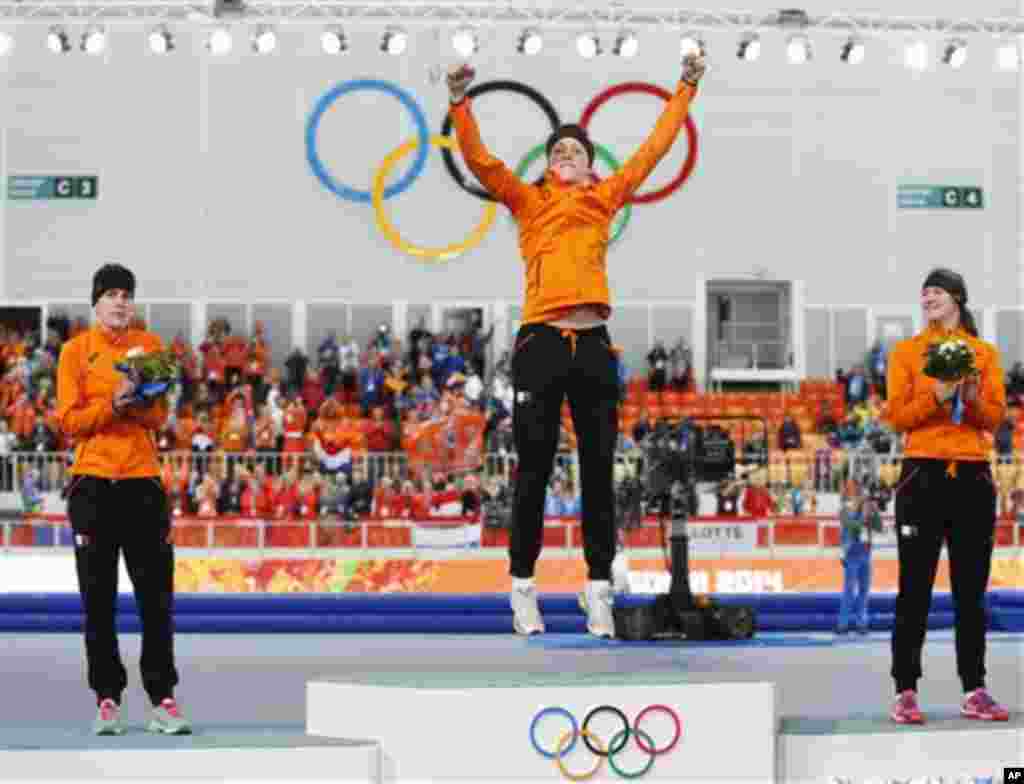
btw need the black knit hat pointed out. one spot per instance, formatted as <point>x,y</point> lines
<point>949,281</point>
<point>112,276</point>
<point>574,131</point>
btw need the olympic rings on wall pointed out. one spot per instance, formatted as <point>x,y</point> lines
<point>388,229</point>
<point>327,100</point>
<point>691,135</point>
<point>567,740</point>
<point>623,216</point>
<point>481,89</point>
<point>423,141</point>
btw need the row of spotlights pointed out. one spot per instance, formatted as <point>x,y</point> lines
<point>395,41</point>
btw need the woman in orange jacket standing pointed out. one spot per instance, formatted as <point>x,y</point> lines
<point>563,348</point>
<point>945,494</point>
<point>117,503</point>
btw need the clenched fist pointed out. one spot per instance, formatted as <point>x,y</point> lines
<point>459,79</point>
<point>693,68</point>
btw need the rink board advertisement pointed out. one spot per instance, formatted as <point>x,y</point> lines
<point>55,572</point>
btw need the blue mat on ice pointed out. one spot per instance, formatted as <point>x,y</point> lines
<point>450,613</point>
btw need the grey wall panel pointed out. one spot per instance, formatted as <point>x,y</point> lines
<point>322,319</point>
<point>817,331</point>
<point>851,337</point>
<point>168,320</point>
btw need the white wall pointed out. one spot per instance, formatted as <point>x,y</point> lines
<point>205,189</point>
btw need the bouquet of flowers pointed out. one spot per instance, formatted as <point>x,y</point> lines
<point>951,360</point>
<point>152,373</point>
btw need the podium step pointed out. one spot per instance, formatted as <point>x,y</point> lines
<point>223,753</point>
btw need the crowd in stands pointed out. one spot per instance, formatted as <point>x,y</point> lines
<point>423,427</point>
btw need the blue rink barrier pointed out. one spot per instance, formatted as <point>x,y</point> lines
<point>450,613</point>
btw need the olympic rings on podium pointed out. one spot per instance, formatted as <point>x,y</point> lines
<point>482,89</point>
<point>327,100</point>
<point>623,216</point>
<point>567,740</point>
<point>388,229</point>
<point>560,753</point>
<point>691,135</point>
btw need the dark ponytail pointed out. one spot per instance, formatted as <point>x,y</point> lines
<point>967,321</point>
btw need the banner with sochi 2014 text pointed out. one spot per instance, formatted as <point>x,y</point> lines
<point>555,575</point>
<point>49,572</point>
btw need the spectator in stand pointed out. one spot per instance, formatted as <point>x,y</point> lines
<point>850,433</point>
<point>7,445</point>
<point>276,394</point>
<point>471,497</point>
<point>329,358</point>
<point>384,498</point>
<point>382,434</point>
<point>257,361</point>
<point>203,443</point>
<point>570,500</point>
<point>657,363</point>
<point>265,439</point>
<point>312,393</point>
<point>229,497</point>
<point>348,359</point>
<point>757,501</point>
<point>858,519</point>
<point>214,371</point>
<point>680,361</point>
<point>857,387</point>
<point>1003,439</point>
<point>207,495</point>
<point>296,366</point>
<point>553,501</point>
<point>294,428</point>
<point>823,469</point>
<point>371,383</point>
<point>362,492</point>
<point>876,365</point>
<point>826,423</point>
<point>31,493</point>
<point>235,436</point>
<point>789,434</point>
<point>334,441</point>
<point>1015,384</point>
<point>419,341</point>
<point>236,354</point>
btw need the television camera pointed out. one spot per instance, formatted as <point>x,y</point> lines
<point>675,459</point>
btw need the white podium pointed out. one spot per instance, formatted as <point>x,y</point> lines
<point>477,726</point>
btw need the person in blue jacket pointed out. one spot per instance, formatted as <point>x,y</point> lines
<point>858,519</point>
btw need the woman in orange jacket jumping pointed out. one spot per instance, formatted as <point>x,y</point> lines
<point>117,503</point>
<point>945,494</point>
<point>563,348</point>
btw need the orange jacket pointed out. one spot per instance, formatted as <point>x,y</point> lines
<point>107,445</point>
<point>913,409</point>
<point>564,229</point>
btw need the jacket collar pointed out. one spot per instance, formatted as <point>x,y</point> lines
<point>935,331</point>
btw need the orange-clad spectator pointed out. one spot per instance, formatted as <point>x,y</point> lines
<point>214,368</point>
<point>285,532</point>
<point>381,434</point>
<point>308,498</point>
<point>253,503</point>
<point>757,501</point>
<point>22,415</point>
<point>9,390</point>
<point>234,436</point>
<point>258,359</point>
<point>404,500</point>
<point>419,508</point>
<point>236,353</point>
<point>384,500</point>
<point>312,391</point>
<point>184,429</point>
<point>206,497</point>
<point>335,441</point>
<point>294,426</point>
<point>245,395</point>
<point>264,437</point>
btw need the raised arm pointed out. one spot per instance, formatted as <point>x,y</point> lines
<point>493,174</point>
<point>631,176</point>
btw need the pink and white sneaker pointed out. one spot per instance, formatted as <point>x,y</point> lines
<point>905,710</point>
<point>980,705</point>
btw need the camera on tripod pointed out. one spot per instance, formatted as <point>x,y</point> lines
<point>675,459</point>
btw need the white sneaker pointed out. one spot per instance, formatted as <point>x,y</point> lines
<point>597,603</point>
<point>526,617</point>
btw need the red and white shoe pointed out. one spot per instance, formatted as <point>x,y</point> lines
<point>905,710</point>
<point>980,705</point>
